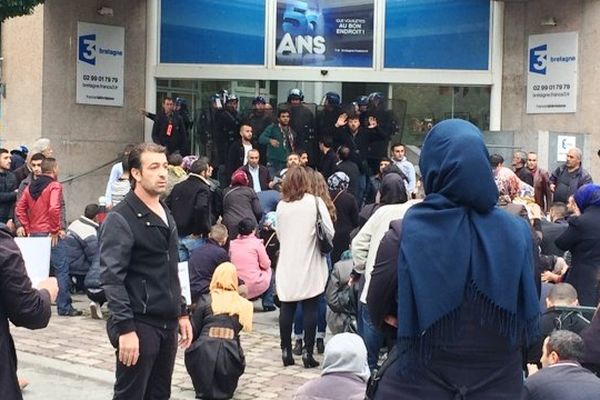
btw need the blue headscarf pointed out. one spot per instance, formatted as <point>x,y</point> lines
<point>587,195</point>
<point>457,246</point>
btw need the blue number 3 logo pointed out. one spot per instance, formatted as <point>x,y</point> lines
<point>538,58</point>
<point>87,49</point>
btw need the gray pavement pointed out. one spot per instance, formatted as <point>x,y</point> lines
<point>72,359</point>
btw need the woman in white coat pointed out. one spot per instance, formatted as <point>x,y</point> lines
<point>301,270</point>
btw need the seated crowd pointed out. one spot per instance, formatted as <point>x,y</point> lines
<point>454,285</point>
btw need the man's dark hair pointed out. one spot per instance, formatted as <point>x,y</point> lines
<point>199,166</point>
<point>568,345</point>
<point>560,209</point>
<point>91,210</point>
<point>246,226</point>
<point>353,115</point>
<point>167,98</point>
<point>282,111</point>
<point>3,150</point>
<point>175,159</point>
<point>127,149</point>
<point>243,124</point>
<point>385,159</point>
<point>327,141</point>
<point>495,160</point>
<point>48,165</point>
<point>301,151</point>
<point>38,157</point>
<point>397,144</point>
<point>344,153</point>
<point>135,157</point>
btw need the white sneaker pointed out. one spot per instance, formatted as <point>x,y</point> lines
<point>95,310</point>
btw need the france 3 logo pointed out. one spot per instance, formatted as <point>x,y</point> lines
<point>538,59</point>
<point>87,49</point>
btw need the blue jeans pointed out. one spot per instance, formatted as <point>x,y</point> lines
<point>267,297</point>
<point>321,320</point>
<point>187,244</point>
<point>58,261</point>
<point>371,335</point>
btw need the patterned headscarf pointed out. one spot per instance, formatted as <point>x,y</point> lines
<point>338,181</point>
<point>188,161</point>
<point>508,185</point>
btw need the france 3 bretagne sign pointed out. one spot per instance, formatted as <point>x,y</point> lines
<point>552,73</point>
<point>100,64</point>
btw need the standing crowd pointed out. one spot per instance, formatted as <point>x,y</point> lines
<point>453,283</point>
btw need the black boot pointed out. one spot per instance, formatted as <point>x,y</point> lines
<point>308,360</point>
<point>320,346</point>
<point>297,347</point>
<point>287,357</point>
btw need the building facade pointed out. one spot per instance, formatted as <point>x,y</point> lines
<point>432,60</point>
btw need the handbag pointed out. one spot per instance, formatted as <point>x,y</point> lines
<point>325,243</point>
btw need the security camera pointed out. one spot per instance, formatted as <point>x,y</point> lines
<point>105,11</point>
<point>324,72</point>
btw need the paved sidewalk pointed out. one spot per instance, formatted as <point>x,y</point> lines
<point>82,341</point>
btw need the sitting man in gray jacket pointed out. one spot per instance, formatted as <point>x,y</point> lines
<point>562,376</point>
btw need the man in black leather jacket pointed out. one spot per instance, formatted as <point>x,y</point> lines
<point>138,261</point>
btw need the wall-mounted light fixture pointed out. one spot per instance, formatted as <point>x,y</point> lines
<point>550,21</point>
<point>105,11</point>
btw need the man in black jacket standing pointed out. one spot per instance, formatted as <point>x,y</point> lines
<point>8,189</point>
<point>22,305</point>
<point>190,202</point>
<point>138,261</point>
<point>169,129</point>
<point>238,151</point>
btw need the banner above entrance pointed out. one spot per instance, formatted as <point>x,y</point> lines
<point>328,33</point>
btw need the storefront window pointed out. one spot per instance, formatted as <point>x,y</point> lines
<point>427,105</point>
<point>437,34</point>
<point>415,108</point>
<point>212,32</point>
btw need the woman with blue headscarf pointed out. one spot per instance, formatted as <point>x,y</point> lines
<point>467,301</point>
<point>582,239</point>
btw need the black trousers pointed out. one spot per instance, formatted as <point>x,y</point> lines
<point>286,319</point>
<point>150,378</point>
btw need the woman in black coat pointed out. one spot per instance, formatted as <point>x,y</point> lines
<point>582,239</point>
<point>239,201</point>
<point>346,211</point>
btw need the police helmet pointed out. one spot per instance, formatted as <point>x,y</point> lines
<point>375,98</point>
<point>232,97</point>
<point>259,100</point>
<point>362,100</point>
<point>332,98</point>
<point>295,93</point>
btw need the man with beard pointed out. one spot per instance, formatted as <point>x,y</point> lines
<point>280,140</point>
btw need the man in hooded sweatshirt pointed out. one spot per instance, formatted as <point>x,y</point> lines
<point>40,212</point>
